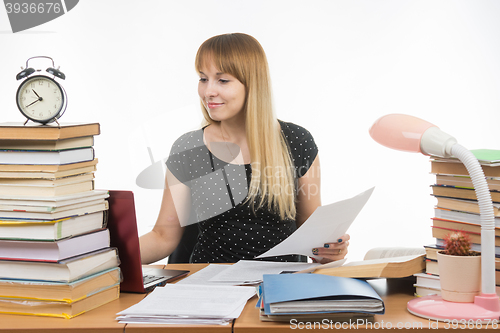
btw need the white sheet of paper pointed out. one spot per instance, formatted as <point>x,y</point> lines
<point>203,276</point>
<point>325,225</point>
<point>252,271</point>
<point>199,301</point>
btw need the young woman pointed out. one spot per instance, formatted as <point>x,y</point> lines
<point>247,179</point>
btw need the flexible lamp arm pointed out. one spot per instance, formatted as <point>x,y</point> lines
<point>412,134</point>
<point>487,217</point>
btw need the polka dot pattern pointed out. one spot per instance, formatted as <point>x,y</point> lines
<point>228,228</point>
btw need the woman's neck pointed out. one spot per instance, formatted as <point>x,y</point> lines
<point>233,135</point>
<point>232,131</point>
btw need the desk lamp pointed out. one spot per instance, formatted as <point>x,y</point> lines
<point>408,133</point>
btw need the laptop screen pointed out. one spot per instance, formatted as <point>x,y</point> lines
<point>122,225</point>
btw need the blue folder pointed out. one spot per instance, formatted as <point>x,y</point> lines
<point>300,287</point>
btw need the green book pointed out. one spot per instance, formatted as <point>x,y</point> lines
<point>487,156</point>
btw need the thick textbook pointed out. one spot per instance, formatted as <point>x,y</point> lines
<point>35,157</point>
<point>463,226</point>
<point>48,171</point>
<point>50,230</point>
<point>381,263</point>
<point>63,309</point>
<point>47,182</point>
<point>461,193</point>
<point>32,131</point>
<point>64,212</point>
<point>459,216</point>
<point>432,267</point>
<point>86,141</point>
<point>475,237</point>
<point>432,249</point>
<point>428,280</point>
<point>457,168</point>
<point>56,250</point>
<point>469,206</point>
<point>289,294</point>
<point>47,175</point>
<point>26,191</point>
<point>423,290</point>
<point>67,270</point>
<point>59,291</point>
<point>466,181</point>
<point>51,204</point>
<point>484,156</point>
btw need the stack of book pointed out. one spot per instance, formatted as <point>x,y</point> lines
<point>304,297</point>
<point>55,254</point>
<point>457,210</point>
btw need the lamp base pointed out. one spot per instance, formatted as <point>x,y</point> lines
<point>485,308</point>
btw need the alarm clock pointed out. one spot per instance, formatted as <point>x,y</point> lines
<point>40,97</point>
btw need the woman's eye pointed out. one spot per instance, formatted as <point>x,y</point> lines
<point>223,81</point>
<point>202,79</point>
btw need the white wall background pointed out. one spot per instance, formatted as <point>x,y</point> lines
<point>336,66</point>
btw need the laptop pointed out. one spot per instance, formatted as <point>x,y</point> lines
<point>122,225</point>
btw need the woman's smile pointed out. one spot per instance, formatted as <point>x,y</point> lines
<point>212,105</point>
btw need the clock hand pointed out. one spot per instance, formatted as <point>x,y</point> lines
<point>38,100</point>
<point>35,93</point>
<point>33,103</point>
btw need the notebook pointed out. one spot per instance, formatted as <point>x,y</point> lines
<point>122,225</point>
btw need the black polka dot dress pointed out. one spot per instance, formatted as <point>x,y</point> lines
<point>229,230</point>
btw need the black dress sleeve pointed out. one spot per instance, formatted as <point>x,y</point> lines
<point>302,147</point>
<point>188,157</point>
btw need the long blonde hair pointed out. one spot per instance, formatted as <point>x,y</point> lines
<point>273,180</point>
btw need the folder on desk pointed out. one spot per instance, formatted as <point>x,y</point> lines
<point>308,294</point>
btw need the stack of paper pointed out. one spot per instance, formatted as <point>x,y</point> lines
<point>189,304</point>
<point>300,296</point>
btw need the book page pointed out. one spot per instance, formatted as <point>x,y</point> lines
<point>204,275</point>
<point>389,252</point>
<point>385,260</point>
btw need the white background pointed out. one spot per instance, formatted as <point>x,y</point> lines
<point>336,67</point>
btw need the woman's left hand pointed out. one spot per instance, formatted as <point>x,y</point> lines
<point>333,251</point>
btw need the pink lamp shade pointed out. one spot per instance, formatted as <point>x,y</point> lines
<point>400,132</point>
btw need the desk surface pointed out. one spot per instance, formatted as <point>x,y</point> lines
<point>395,293</point>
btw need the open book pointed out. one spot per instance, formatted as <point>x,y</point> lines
<point>383,262</point>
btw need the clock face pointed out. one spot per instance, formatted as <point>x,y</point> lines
<point>40,99</point>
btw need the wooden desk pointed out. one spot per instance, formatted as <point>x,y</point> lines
<point>395,293</point>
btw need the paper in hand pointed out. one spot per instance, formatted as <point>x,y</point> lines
<point>327,224</point>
